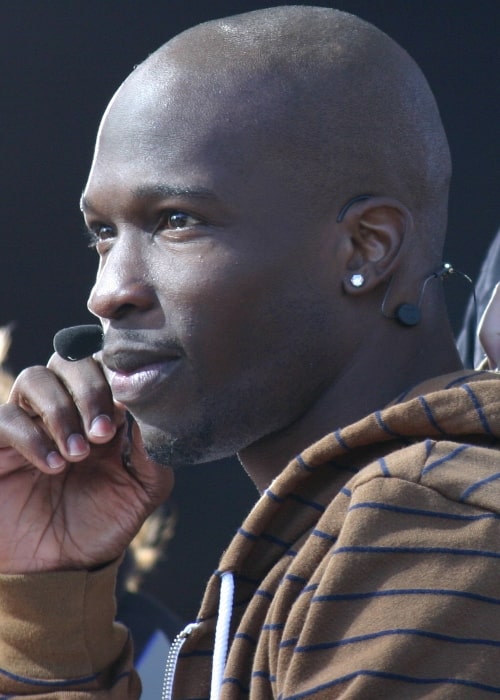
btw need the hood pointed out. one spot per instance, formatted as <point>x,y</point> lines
<point>462,407</point>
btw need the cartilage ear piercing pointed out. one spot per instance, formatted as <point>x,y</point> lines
<point>357,280</point>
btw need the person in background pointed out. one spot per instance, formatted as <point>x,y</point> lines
<point>489,330</point>
<point>6,378</point>
<point>471,346</point>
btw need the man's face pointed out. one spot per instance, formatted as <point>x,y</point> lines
<point>216,283</point>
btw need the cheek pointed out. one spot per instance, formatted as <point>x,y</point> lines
<point>238,313</point>
<point>222,308</point>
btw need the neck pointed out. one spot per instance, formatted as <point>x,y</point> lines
<point>381,368</point>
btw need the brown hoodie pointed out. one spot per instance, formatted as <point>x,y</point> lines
<point>369,569</point>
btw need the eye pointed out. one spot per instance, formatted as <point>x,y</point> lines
<point>98,233</point>
<point>176,219</point>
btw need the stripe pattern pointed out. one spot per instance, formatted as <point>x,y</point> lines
<point>371,566</point>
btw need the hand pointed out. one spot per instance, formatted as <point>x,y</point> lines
<point>489,329</point>
<point>67,500</point>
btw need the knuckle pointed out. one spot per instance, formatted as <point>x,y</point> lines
<point>18,430</point>
<point>9,415</point>
<point>57,413</point>
<point>28,377</point>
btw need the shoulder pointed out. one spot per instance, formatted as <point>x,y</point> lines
<point>433,500</point>
<point>459,472</point>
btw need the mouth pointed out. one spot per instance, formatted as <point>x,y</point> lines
<point>133,375</point>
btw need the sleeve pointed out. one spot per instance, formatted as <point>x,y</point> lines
<point>404,605</point>
<point>58,638</point>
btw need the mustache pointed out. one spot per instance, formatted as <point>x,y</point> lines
<point>123,349</point>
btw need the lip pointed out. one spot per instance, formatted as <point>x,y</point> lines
<point>134,373</point>
<point>131,387</point>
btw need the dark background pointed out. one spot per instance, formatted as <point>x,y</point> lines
<point>61,61</point>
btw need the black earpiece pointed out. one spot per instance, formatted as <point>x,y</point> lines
<point>408,315</point>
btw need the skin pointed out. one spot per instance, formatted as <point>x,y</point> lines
<point>489,333</point>
<point>224,291</point>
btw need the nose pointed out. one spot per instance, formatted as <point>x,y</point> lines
<point>122,286</point>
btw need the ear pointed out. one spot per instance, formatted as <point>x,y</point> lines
<point>375,230</point>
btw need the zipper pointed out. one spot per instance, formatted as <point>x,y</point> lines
<point>171,662</point>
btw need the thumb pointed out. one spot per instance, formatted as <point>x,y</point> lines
<point>489,329</point>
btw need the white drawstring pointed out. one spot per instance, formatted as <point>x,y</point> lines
<point>222,630</point>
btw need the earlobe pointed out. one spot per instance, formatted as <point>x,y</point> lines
<point>376,227</point>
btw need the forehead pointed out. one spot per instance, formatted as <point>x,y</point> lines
<point>184,128</point>
<point>175,112</point>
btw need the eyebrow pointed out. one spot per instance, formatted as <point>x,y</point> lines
<point>160,191</point>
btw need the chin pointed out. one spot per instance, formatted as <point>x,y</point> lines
<point>173,454</point>
<point>216,430</point>
<point>176,450</point>
<point>198,446</point>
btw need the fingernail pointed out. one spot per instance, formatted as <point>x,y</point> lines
<point>54,460</point>
<point>77,445</point>
<point>101,426</point>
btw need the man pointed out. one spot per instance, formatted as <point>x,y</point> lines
<point>268,202</point>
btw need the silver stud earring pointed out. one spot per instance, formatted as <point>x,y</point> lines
<point>357,280</point>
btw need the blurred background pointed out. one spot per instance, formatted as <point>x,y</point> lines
<point>61,62</point>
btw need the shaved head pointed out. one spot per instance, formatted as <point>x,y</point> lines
<point>329,101</point>
<point>221,166</point>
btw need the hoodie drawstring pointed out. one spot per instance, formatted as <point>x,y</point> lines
<point>222,631</point>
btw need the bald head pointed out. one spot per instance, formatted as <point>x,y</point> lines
<point>332,100</point>
<point>221,166</point>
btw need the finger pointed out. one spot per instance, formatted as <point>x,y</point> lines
<point>46,404</point>
<point>72,400</point>
<point>85,382</point>
<point>489,329</point>
<point>24,442</point>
